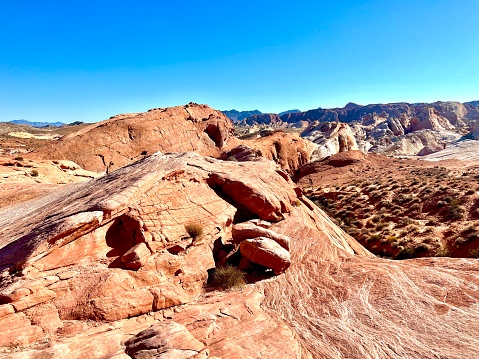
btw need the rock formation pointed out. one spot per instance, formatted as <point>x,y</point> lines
<point>331,138</point>
<point>288,150</point>
<point>111,269</point>
<point>379,127</point>
<point>111,144</point>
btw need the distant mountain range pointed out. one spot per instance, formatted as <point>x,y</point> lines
<point>237,116</point>
<point>399,129</point>
<point>37,124</point>
<point>351,112</point>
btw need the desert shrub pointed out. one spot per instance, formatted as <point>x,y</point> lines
<point>232,159</point>
<point>416,207</point>
<point>392,239</point>
<point>454,211</point>
<point>374,237</point>
<point>405,253</point>
<point>296,203</point>
<point>444,252</point>
<point>34,173</point>
<point>474,253</point>
<point>194,230</point>
<point>228,277</point>
<point>376,219</point>
<point>412,228</point>
<point>440,204</point>
<point>380,226</point>
<point>422,247</point>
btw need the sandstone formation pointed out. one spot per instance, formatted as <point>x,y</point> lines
<point>111,144</point>
<point>331,138</point>
<point>67,284</point>
<point>102,251</point>
<point>267,252</point>
<point>288,150</point>
<point>392,128</point>
<point>264,118</point>
<point>22,179</point>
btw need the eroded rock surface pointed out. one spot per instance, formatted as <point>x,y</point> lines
<point>61,258</point>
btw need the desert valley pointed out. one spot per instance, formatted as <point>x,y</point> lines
<point>189,232</point>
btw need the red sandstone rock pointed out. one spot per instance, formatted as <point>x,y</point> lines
<point>335,300</point>
<point>122,139</point>
<point>266,252</point>
<point>247,230</point>
<point>289,150</point>
<point>136,257</point>
<point>170,340</point>
<point>18,331</point>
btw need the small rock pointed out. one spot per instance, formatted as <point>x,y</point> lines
<point>136,257</point>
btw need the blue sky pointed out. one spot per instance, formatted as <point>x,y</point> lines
<point>88,60</point>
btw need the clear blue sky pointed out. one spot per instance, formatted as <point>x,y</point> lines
<point>88,60</point>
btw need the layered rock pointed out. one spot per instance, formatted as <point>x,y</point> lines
<point>379,127</point>
<point>288,150</point>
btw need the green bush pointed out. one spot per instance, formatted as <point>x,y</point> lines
<point>228,277</point>
<point>194,230</point>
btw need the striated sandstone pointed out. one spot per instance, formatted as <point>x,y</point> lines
<point>99,251</point>
<point>336,300</point>
<point>330,138</point>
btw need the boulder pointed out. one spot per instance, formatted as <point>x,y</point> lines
<point>248,230</point>
<point>169,340</point>
<point>137,256</point>
<point>266,252</point>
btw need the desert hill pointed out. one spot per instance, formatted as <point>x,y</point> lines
<point>236,116</point>
<point>38,124</point>
<point>113,143</point>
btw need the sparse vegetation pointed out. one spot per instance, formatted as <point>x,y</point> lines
<point>34,173</point>
<point>194,230</point>
<point>411,206</point>
<point>228,277</point>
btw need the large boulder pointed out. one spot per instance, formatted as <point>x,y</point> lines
<point>249,230</point>
<point>266,252</point>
